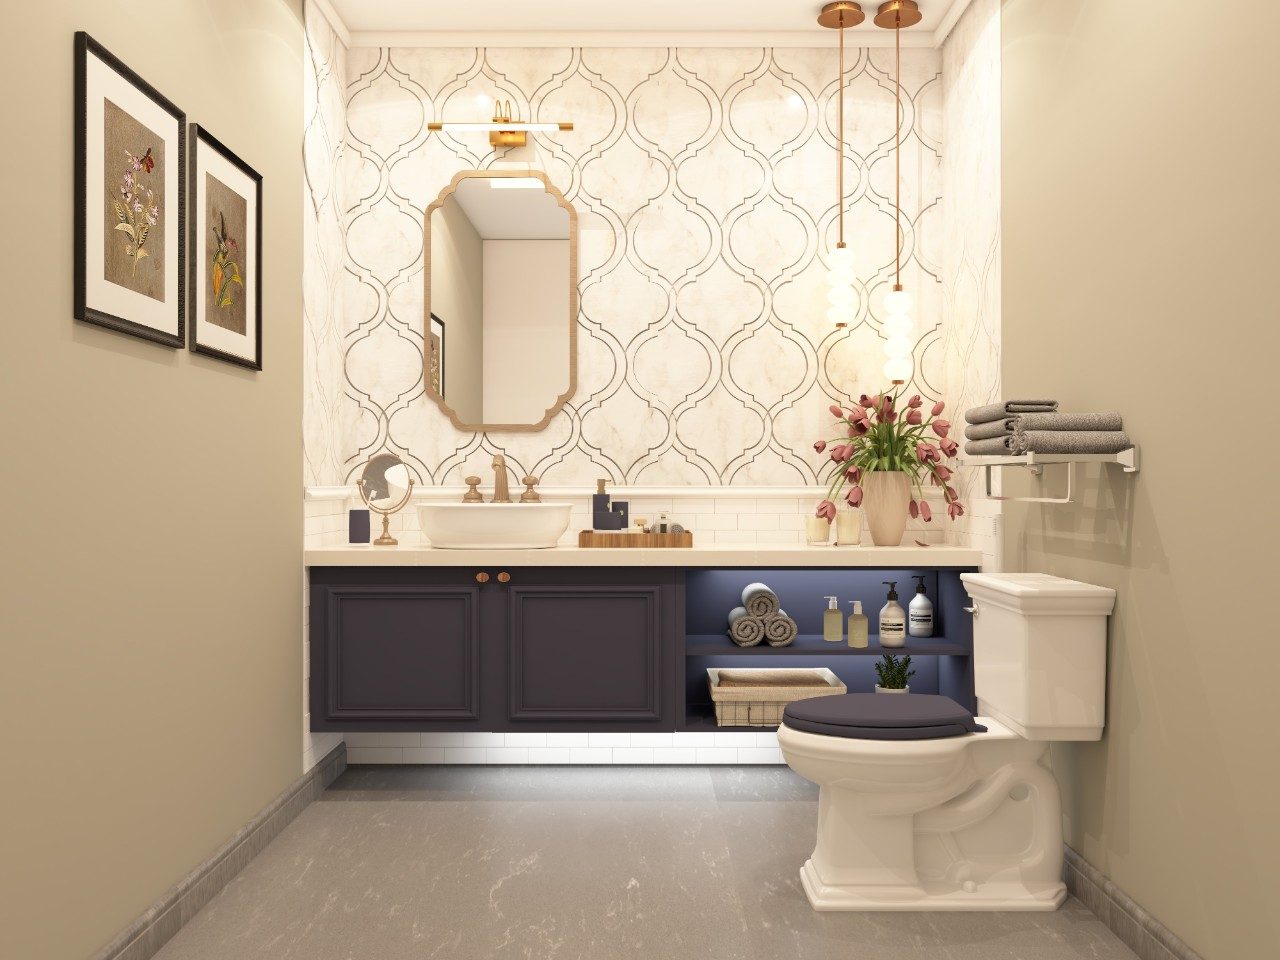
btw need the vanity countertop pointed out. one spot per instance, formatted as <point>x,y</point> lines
<point>723,555</point>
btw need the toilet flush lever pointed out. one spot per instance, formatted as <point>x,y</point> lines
<point>973,609</point>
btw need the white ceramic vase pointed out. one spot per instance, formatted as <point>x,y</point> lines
<point>880,689</point>
<point>885,495</point>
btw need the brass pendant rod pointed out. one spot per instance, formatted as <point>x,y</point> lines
<point>897,151</point>
<point>840,138</point>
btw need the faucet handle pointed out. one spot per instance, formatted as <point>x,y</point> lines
<point>530,495</point>
<point>473,494</point>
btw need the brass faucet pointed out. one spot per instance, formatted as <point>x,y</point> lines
<point>501,492</point>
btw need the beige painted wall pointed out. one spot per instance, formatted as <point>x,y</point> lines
<point>152,535</point>
<point>1140,210</point>
<point>457,298</point>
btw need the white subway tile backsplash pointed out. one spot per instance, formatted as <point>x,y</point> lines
<point>549,755</point>
<point>674,755</point>
<point>734,739</point>
<point>375,755</point>
<point>466,755</point>
<point>651,739</point>
<point>735,536</point>
<point>758,521</point>
<point>365,739</point>
<point>424,755</point>
<point>684,738</point>
<point>609,739</point>
<point>590,755</point>
<point>632,755</point>
<point>507,755</point>
<point>525,739</point>
<point>715,755</point>
<point>566,739</point>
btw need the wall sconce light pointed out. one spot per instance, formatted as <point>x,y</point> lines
<point>502,130</point>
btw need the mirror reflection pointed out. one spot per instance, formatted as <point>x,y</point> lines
<point>501,300</point>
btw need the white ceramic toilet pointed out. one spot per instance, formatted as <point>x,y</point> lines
<point>924,807</point>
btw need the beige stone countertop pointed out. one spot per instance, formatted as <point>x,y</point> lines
<point>746,555</point>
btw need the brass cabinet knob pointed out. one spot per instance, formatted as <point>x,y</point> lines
<point>482,577</point>
<point>504,577</point>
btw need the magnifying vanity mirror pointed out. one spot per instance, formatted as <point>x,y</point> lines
<point>501,256</point>
<point>385,487</point>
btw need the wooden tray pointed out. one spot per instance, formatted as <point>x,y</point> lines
<point>598,538</point>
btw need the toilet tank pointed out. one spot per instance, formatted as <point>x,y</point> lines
<point>1040,653</point>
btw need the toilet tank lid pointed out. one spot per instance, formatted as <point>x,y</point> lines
<point>1026,591</point>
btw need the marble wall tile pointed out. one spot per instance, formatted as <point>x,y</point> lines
<point>705,181</point>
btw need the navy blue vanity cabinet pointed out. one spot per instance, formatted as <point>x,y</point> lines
<point>493,649</point>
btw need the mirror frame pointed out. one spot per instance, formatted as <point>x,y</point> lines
<point>572,388</point>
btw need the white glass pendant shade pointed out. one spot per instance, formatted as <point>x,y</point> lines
<point>897,302</point>
<point>897,325</point>
<point>840,293</point>
<point>898,368</point>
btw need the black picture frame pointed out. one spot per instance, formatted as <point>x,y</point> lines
<point>83,310</point>
<point>431,327</point>
<point>201,139</point>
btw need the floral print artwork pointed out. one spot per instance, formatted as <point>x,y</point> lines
<point>226,223</point>
<point>134,198</point>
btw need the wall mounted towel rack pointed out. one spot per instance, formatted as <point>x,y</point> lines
<point>1127,460</point>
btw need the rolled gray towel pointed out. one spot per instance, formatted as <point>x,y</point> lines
<point>759,600</point>
<point>998,411</point>
<point>991,429</point>
<point>780,630</point>
<point>994,447</point>
<point>744,629</point>
<point>1070,441</point>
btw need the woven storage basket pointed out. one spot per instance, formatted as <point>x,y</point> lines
<point>757,698</point>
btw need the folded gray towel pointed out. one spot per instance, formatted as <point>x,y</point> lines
<point>998,411</point>
<point>992,447</point>
<point>992,428</point>
<point>759,600</point>
<point>780,630</point>
<point>1043,421</point>
<point>1066,421</point>
<point>744,629</point>
<point>1070,441</point>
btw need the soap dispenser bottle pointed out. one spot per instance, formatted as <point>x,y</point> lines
<point>857,626</point>
<point>920,613</point>
<point>832,622</point>
<point>893,619</point>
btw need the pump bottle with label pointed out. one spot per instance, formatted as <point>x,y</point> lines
<point>920,613</point>
<point>893,619</point>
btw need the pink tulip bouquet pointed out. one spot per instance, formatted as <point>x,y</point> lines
<point>885,433</point>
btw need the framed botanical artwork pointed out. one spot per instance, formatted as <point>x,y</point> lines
<point>436,366</point>
<point>130,200</point>
<point>226,253</point>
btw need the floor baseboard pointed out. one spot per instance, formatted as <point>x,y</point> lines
<point>143,938</point>
<point>1138,930</point>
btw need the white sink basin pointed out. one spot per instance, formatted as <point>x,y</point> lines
<point>507,526</point>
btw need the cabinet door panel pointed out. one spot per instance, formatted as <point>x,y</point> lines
<point>585,653</point>
<point>403,653</point>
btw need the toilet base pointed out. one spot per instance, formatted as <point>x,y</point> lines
<point>929,895</point>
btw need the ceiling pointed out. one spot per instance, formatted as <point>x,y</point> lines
<point>511,214</point>
<point>593,23</point>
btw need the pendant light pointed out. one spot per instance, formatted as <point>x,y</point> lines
<point>840,295</point>
<point>895,15</point>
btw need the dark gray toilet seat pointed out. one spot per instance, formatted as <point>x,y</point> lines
<point>881,716</point>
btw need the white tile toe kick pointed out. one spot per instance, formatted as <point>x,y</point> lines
<point>618,749</point>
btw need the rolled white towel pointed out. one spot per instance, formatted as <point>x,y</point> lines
<point>780,630</point>
<point>744,629</point>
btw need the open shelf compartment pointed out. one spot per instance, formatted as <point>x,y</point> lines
<point>943,662</point>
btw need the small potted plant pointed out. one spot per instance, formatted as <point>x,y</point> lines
<point>887,448</point>
<point>894,674</point>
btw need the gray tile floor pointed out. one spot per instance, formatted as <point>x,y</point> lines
<point>583,863</point>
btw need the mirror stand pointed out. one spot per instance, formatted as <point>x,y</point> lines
<point>386,540</point>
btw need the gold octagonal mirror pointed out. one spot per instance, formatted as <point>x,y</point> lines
<point>500,257</point>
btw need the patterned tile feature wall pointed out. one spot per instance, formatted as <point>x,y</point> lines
<point>971,248</point>
<point>323,69</point>
<point>705,182</point>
